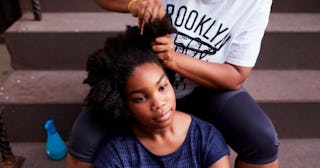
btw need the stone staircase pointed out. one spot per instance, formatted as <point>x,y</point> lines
<point>48,58</point>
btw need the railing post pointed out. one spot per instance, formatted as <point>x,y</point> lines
<point>8,159</point>
<point>36,10</point>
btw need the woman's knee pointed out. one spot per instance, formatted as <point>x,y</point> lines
<point>85,137</point>
<point>249,130</point>
<point>263,150</point>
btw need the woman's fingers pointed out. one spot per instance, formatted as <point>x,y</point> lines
<point>147,10</point>
<point>160,12</point>
<point>164,49</point>
<point>147,14</point>
<point>163,44</point>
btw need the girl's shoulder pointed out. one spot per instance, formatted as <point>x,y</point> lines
<point>191,120</point>
<point>202,127</point>
<point>183,120</point>
<point>183,115</point>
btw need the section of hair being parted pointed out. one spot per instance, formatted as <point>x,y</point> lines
<point>109,68</point>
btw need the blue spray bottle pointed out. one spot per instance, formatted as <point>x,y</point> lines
<point>55,147</point>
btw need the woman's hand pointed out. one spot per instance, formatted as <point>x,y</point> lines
<point>146,10</point>
<point>207,74</point>
<point>164,48</point>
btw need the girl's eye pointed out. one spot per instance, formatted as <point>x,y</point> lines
<point>163,87</point>
<point>140,99</point>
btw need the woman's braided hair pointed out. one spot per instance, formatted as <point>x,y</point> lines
<point>109,68</point>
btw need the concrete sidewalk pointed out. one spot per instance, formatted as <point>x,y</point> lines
<point>294,153</point>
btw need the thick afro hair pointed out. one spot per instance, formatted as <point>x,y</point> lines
<point>109,68</point>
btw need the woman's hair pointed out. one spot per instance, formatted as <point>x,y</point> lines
<point>109,68</point>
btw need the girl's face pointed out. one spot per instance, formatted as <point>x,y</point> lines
<point>150,96</point>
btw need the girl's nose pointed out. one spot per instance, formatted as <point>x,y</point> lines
<point>157,104</point>
<point>154,108</point>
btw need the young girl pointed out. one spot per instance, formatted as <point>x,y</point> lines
<point>129,84</point>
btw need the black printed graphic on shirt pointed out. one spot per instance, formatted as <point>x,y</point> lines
<point>210,35</point>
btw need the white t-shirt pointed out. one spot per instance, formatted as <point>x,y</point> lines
<point>218,31</point>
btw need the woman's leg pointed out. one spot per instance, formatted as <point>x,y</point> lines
<point>242,164</point>
<point>245,126</point>
<point>85,138</point>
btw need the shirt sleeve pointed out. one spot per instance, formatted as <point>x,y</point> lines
<point>216,147</point>
<point>245,47</point>
<point>107,157</point>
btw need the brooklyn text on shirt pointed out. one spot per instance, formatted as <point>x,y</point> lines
<point>210,35</point>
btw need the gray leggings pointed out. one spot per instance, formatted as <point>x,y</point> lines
<point>245,126</point>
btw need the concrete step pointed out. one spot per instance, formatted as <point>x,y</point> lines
<point>294,153</point>
<point>291,98</point>
<point>31,98</point>
<point>60,41</point>
<point>311,6</point>
<point>63,6</point>
<point>290,42</point>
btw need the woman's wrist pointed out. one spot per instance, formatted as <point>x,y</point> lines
<point>172,63</point>
<point>131,3</point>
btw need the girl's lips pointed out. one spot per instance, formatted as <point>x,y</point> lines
<point>163,117</point>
